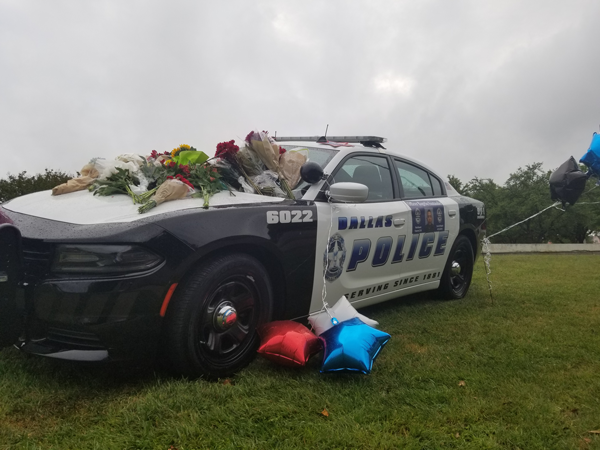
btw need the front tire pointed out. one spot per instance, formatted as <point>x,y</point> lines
<point>211,321</point>
<point>458,271</point>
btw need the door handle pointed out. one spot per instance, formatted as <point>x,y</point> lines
<point>399,222</point>
<point>451,212</point>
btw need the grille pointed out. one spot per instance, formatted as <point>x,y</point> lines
<point>76,340</point>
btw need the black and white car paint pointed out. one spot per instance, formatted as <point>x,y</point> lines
<point>201,280</point>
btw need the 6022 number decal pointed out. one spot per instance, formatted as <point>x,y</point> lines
<point>285,216</point>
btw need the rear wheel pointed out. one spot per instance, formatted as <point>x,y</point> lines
<point>211,322</point>
<point>459,270</point>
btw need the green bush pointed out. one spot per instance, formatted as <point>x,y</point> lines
<point>21,184</point>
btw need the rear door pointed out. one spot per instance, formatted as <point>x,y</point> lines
<point>434,219</point>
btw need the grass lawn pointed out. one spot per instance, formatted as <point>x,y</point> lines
<point>522,372</point>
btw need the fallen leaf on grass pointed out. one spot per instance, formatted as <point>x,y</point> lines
<point>228,382</point>
<point>594,431</point>
<point>587,440</point>
<point>457,435</point>
<point>325,413</point>
<point>462,383</point>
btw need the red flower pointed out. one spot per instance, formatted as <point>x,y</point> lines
<point>172,164</point>
<point>212,179</point>
<point>183,180</point>
<point>185,169</point>
<point>154,154</point>
<point>214,169</point>
<point>281,150</point>
<point>226,149</point>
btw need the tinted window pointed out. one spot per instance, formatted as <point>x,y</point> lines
<point>415,181</point>
<point>372,171</point>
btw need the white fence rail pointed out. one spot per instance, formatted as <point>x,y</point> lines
<point>544,248</point>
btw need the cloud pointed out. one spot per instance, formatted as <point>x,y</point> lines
<point>474,88</point>
<point>393,84</point>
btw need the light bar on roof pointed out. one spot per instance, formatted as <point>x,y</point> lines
<point>349,139</point>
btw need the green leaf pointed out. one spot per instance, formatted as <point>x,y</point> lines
<point>190,157</point>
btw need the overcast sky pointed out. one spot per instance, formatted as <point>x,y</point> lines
<point>471,87</point>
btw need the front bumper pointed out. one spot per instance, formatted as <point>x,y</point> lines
<point>92,320</point>
<point>85,318</point>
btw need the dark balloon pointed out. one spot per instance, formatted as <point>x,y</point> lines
<point>567,183</point>
<point>311,172</point>
<point>351,346</point>
<point>287,343</point>
<point>592,157</point>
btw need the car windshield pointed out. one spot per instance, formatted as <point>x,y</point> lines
<point>321,156</point>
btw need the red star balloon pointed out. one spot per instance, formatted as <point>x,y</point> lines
<point>287,343</point>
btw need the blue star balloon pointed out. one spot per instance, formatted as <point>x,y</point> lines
<point>351,346</point>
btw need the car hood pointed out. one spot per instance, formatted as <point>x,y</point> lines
<point>84,208</point>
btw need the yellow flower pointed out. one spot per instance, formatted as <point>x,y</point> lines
<point>181,148</point>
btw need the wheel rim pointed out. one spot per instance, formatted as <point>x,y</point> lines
<point>228,322</point>
<point>459,269</point>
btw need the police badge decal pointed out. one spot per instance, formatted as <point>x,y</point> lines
<point>334,257</point>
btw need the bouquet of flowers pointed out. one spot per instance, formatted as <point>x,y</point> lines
<point>173,188</point>
<point>228,151</point>
<point>269,152</point>
<point>206,179</point>
<point>261,166</point>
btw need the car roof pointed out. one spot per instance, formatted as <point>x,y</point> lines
<point>352,147</point>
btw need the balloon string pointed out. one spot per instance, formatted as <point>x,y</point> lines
<point>486,239</point>
<point>487,258</point>
<point>485,248</point>
<point>554,205</point>
<point>324,290</point>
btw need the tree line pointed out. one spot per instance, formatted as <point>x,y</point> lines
<point>21,184</point>
<point>525,193</point>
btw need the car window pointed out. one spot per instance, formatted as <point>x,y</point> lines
<point>437,185</point>
<point>415,181</point>
<point>372,171</point>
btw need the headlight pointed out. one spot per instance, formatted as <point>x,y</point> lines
<point>103,259</point>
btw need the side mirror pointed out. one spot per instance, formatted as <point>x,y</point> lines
<point>311,172</point>
<point>349,192</point>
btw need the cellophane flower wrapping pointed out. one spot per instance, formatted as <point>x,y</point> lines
<point>88,176</point>
<point>250,162</point>
<point>266,148</point>
<point>229,173</point>
<point>269,151</point>
<point>290,163</point>
<point>267,182</point>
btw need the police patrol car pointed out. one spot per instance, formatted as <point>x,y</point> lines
<point>88,278</point>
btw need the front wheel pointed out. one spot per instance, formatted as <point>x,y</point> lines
<point>458,271</point>
<point>211,323</point>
